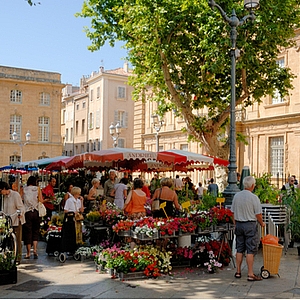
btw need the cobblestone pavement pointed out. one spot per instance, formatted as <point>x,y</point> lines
<point>47,278</point>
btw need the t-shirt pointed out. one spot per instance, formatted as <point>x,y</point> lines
<point>245,206</point>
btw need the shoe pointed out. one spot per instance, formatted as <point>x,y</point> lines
<point>27,257</point>
<point>35,256</point>
<point>237,275</point>
<point>254,278</point>
<point>18,263</point>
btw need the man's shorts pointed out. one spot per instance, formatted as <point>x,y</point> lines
<point>246,237</point>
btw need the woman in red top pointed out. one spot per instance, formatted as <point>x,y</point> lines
<point>135,203</point>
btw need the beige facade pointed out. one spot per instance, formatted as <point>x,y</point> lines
<point>272,128</point>
<point>170,136</point>
<point>30,100</point>
<point>103,98</point>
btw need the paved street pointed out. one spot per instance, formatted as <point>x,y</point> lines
<point>47,278</point>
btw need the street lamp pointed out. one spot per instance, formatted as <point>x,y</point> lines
<point>233,22</point>
<point>157,124</point>
<point>20,143</point>
<point>115,131</point>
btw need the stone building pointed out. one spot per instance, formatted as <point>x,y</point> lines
<point>272,128</point>
<point>103,98</point>
<point>30,101</point>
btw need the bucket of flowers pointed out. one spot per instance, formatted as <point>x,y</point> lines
<point>167,227</point>
<point>186,226</point>
<point>111,215</point>
<point>223,217</point>
<point>203,221</point>
<point>123,227</point>
<point>212,265</point>
<point>145,229</point>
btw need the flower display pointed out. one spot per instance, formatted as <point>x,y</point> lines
<point>150,260</point>
<point>186,224</point>
<point>93,216</point>
<point>7,260</point>
<point>221,215</point>
<point>58,197</point>
<point>112,214</point>
<point>202,219</point>
<point>122,225</point>
<point>167,226</point>
<point>213,264</point>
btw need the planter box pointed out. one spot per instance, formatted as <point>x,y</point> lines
<point>144,237</point>
<point>124,233</point>
<point>221,227</point>
<point>166,236</point>
<point>180,263</point>
<point>132,276</point>
<point>8,277</point>
<point>93,224</point>
<point>205,230</point>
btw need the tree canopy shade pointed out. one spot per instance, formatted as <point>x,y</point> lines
<point>180,48</point>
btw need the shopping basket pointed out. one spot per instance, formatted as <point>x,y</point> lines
<point>271,255</point>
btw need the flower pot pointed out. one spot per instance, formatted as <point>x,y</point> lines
<point>185,241</point>
<point>8,277</point>
<point>124,233</point>
<point>131,276</point>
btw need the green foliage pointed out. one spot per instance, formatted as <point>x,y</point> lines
<point>180,49</point>
<point>185,195</point>
<point>208,201</point>
<point>7,261</point>
<point>292,201</point>
<point>265,191</point>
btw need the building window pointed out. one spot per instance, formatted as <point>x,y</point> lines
<point>98,92</point>
<point>121,92</point>
<point>45,99</point>
<point>16,96</point>
<point>67,134</point>
<point>91,121</point>
<point>83,104</point>
<point>277,156</point>
<point>184,147</point>
<point>82,126</point>
<point>64,116</point>
<point>77,106</point>
<point>44,127</point>
<point>14,159</point>
<point>121,143</point>
<point>71,134</point>
<point>277,98</point>
<point>92,95</point>
<point>82,148</point>
<point>121,116</point>
<point>76,128</point>
<point>15,125</point>
<point>98,119</point>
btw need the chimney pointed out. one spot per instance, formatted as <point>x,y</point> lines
<point>125,66</point>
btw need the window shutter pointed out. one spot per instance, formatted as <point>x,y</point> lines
<point>126,120</point>
<point>116,117</point>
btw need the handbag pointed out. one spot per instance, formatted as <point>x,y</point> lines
<point>42,210</point>
<point>155,206</point>
<point>79,217</point>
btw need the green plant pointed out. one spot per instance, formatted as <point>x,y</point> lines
<point>7,261</point>
<point>291,200</point>
<point>208,201</point>
<point>185,195</point>
<point>265,190</point>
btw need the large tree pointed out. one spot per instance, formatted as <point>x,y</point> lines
<point>180,48</point>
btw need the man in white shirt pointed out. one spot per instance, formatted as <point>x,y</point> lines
<point>178,184</point>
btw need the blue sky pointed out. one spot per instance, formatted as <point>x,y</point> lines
<point>49,37</point>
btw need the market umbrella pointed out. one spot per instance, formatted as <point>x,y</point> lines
<point>188,158</point>
<point>125,158</point>
<point>39,163</point>
<point>64,163</point>
<point>245,173</point>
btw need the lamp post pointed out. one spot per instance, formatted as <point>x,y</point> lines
<point>234,22</point>
<point>20,143</point>
<point>157,124</point>
<point>115,131</point>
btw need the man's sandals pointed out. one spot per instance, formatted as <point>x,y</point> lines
<point>254,278</point>
<point>237,275</point>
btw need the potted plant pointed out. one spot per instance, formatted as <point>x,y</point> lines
<point>291,200</point>
<point>265,190</point>
<point>8,269</point>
